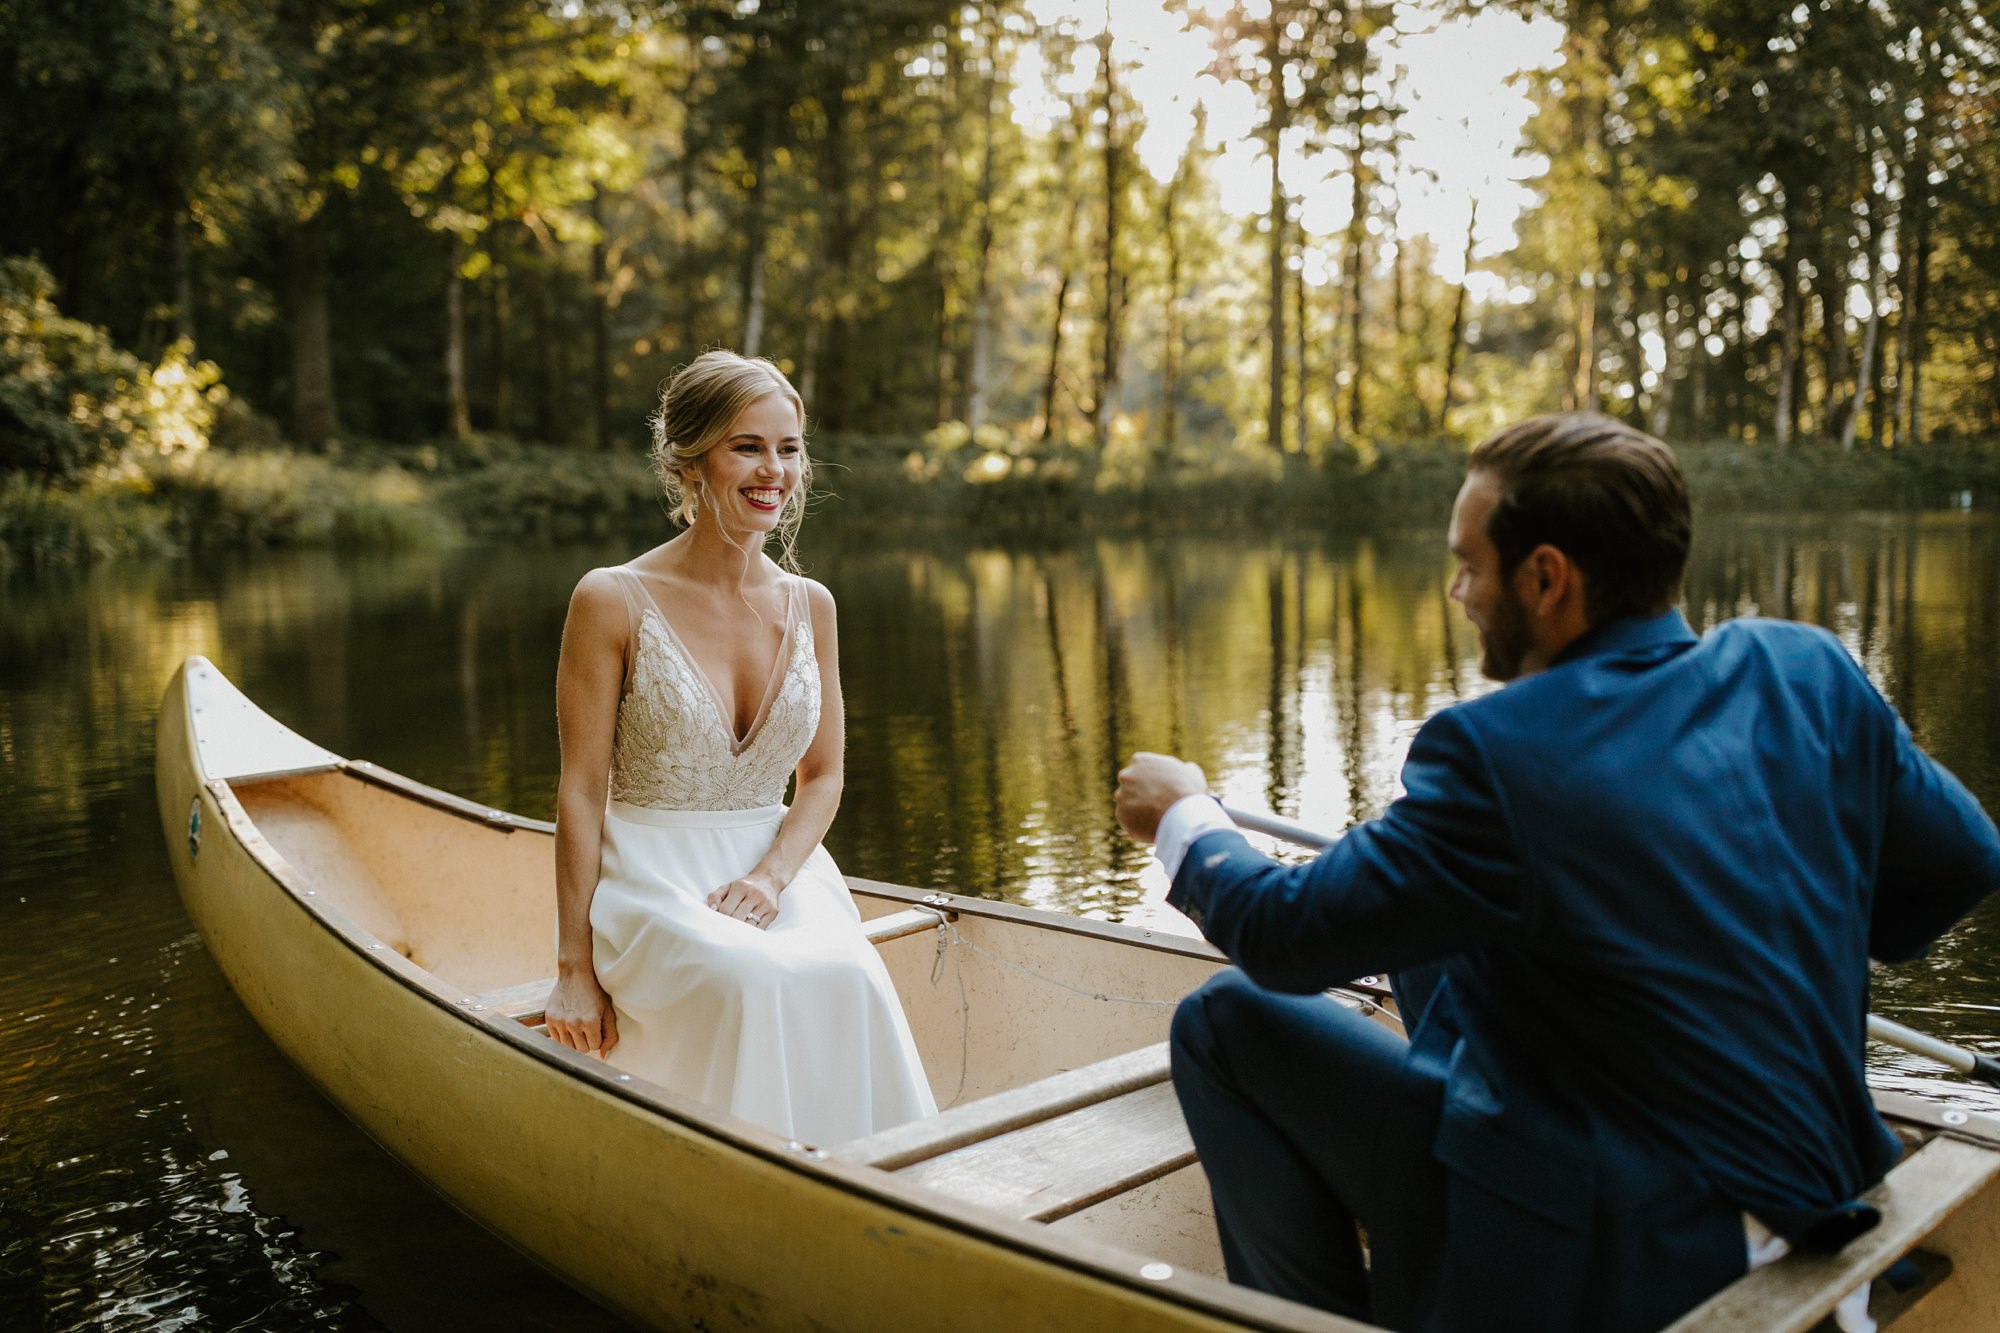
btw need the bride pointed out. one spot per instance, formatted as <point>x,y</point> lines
<point>705,939</point>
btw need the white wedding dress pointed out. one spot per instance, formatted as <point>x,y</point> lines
<point>796,1027</point>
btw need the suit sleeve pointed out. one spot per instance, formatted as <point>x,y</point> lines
<point>1436,875</point>
<point>1940,854</point>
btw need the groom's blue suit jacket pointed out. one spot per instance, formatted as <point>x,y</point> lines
<point>1650,880</point>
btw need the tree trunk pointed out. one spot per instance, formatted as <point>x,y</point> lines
<point>183,275</point>
<point>547,410</point>
<point>808,380</point>
<point>839,241</point>
<point>1788,316</point>
<point>1457,338</point>
<point>1661,415</point>
<point>1357,232</point>
<point>1697,421</point>
<point>755,237</point>
<point>600,328</point>
<point>314,419</point>
<point>1866,373</point>
<point>1280,235</point>
<point>948,372</point>
<point>1104,396</point>
<point>1584,392</point>
<point>1170,352</point>
<point>1336,438</point>
<point>458,407</point>
<point>1054,372</point>
<point>1635,349</point>
<point>1919,337</point>
<point>1298,281</point>
<point>687,274</point>
<point>1398,293</point>
<point>980,362</point>
<point>503,377</point>
<point>1835,360</point>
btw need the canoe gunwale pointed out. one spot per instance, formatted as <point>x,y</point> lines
<point>449,802</point>
<point>1194,1292</point>
<point>1937,1120</point>
<point>1138,937</point>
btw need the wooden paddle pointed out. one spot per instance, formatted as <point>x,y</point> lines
<point>1973,1065</point>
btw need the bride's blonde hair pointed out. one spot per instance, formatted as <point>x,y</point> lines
<point>697,408</point>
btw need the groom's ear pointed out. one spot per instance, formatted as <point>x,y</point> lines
<point>1554,591</point>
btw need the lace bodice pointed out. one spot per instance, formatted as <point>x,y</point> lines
<point>675,747</point>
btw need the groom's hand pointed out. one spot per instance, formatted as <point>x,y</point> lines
<point>1148,787</point>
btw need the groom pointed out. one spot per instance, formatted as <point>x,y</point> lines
<point>1630,900</point>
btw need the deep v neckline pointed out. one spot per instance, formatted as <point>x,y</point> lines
<point>724,715</point>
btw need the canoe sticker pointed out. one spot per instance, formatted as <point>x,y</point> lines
<point>194,829</point>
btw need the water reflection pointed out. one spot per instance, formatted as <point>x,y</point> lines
<point>163,1167</point>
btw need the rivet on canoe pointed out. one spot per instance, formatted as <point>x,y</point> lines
<point>816,1154</point>
<point>793,1145</point>
<point>1157,1272</point>
<point>624,1078</point>
<point>1954,1117</point>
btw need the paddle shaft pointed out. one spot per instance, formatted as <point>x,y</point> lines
<point>1984,1068</point>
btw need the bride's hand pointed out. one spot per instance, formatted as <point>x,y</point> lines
<point>580,1016</point>
<point>752,900</point>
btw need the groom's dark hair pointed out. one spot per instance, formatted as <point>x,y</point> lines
<point>1605,494</point>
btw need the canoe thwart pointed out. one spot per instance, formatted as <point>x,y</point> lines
<point>1053,1168</point>
<point>1003,1112</point>
<point>522,1001</point>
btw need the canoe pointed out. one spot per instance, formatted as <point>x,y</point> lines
<point>396,943</point>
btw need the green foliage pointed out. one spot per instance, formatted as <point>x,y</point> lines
<point>550,494</point>
<point>215,501</point>
<point>70,399</point>
<point>231,501</point>
<point>52,527</point>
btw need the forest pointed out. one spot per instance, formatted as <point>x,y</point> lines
<point>1119,239</point>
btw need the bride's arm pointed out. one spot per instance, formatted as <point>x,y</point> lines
<point>817,781</point>
<point>590,675</point>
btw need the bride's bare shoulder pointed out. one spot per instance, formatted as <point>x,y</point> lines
<point>818,598</point>
<point>599,600</point>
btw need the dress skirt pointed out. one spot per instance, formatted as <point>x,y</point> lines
<point>795,1027</point>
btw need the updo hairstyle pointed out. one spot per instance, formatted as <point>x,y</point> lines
<point>697,408</point>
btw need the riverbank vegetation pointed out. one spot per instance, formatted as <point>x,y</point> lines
<point>1024,258</point>
<point>491,489</point>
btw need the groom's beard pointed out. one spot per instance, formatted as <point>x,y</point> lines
<point>1505,643</point>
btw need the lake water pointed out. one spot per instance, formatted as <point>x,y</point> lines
<point>162,1167</point>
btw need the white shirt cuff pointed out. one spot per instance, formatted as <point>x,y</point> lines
<point>1185,820</point>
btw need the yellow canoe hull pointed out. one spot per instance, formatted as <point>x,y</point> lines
<point>366,922</point>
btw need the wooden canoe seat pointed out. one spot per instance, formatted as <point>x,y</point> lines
<point>1048,1149</point>
<point>524,1000</point>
